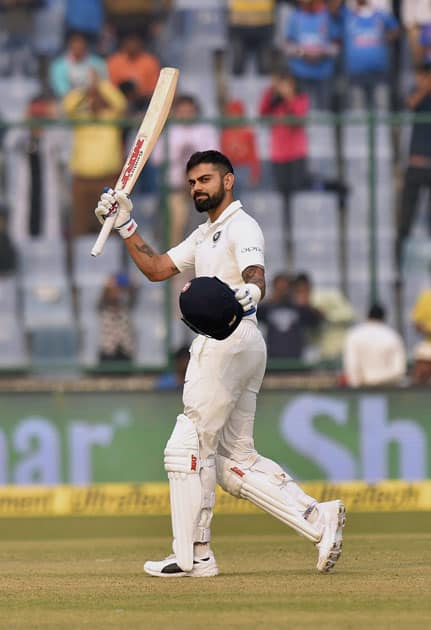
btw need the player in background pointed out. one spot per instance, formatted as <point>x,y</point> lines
<point>213,438</point>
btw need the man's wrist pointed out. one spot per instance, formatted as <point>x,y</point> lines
<point>127,229</point>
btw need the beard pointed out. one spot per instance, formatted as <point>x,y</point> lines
<point>205,203</point>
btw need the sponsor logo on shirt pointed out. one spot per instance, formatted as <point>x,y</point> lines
<point>250,250</point>
<point>216,236</point>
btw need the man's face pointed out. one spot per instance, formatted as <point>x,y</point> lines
<point>185,111</point>
<point>208,187</point>
<point>132,45</point>
<point>78,47</point>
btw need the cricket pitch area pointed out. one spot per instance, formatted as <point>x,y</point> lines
<point>87,573</point>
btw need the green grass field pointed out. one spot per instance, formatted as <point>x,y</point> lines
<point>87,573</point>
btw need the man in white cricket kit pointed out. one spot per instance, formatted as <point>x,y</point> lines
<point>212,440</point>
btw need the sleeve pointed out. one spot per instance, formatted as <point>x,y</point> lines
<point>268,102</point>
<point>58,78</point>
<point>99,65</point>
<point>310,317</point>
<point>183,255</point>
<point>113,96</point>
<point>418,314</point>
<point>73,101</point>
<point>391,23</point>
<point>291,31</point>
<point>247,243</point>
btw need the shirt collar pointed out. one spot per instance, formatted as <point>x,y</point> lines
<point>227,212</point>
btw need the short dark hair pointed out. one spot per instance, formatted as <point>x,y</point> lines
<point>188,99</point>
<point>209,157</point>
<point>302,278</point>
<point>377,311</point>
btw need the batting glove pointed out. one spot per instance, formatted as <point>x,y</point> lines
<point>248,296</point>
<point>117,203</point>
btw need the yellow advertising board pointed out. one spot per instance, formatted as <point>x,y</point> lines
<point>142,499</point>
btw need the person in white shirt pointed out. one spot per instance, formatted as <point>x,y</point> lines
<point>213,438</point>
<point>374,353</point>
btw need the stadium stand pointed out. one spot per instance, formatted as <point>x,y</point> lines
<point>58,298</point>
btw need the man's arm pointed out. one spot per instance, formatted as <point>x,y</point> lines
<point>255,275</point>
<point>155,267</point>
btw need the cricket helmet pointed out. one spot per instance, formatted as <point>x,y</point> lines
<point>209,307</point>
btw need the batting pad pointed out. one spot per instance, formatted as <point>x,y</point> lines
<point>266,485</point>
<point>183,465</point>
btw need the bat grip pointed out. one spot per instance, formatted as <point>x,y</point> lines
<point>103,236</point>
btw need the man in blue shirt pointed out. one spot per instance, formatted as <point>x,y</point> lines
<point>311,46</point>
<point>367,34</point>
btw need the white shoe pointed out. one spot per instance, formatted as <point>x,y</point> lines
<point>202,567</point>
<point>330,545</point>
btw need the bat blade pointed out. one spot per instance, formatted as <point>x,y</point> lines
<point>146,137</point>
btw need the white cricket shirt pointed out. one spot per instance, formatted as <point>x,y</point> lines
<point>223,248</point>
<point>374,354</point>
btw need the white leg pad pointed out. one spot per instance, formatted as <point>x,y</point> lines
<point>266,485</point>
<point>183,466</point>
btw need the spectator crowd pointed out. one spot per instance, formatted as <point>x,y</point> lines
<point>93,64</point>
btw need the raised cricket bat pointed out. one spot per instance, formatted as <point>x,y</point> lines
<point>147,136</point>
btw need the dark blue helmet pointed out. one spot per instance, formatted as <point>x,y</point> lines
<point>209,307</point>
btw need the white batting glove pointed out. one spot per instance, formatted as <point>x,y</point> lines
<point>117,203</point>
<point>249,297</point>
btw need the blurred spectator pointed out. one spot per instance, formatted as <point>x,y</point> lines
<point>175,379</point>
<point>34,159</point>
<point>418,174</point>
<point>374,353</point>
<point>16,31</point>
<point>288,317</point>
<point>289,147</point>
<point>251,32</point>
<point>367,34</point>
<point>421,317</point>
<point>73,70</point>
<point>311,45</point>
<point>184,136</point>
<point>339,315</point>
<point>86,16</point>
<point>238,142</point>
<point>8,254</point>
<point>416,18</point>
<point>136,14</point>
<point>117,335</point>
<point>133,63</point>
<point>97,154</point>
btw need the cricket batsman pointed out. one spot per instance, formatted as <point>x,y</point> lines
<point>212,440</point>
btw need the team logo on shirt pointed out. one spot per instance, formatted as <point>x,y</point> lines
<point>216,236</point>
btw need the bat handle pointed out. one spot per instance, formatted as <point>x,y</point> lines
<point>103,236</point>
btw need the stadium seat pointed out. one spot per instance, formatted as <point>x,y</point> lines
<point>150,326</point>
<point>90,271</point>
<point>13,348</point>
<point>8,295</point>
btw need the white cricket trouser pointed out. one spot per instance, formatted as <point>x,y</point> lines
<point>221,385</point>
